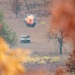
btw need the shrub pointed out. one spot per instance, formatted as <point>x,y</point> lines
<point>71,62</point>
<point>60,71</point>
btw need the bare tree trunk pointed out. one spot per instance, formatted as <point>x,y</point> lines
<point>10,1</point>
<point>60,40</point>
<point>26,5</point>
<point>61,44</point>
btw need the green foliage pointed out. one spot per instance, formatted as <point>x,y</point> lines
<point>8,34</point>
<point>1,17</point>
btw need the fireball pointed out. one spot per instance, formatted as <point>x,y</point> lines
<point>30,20</point>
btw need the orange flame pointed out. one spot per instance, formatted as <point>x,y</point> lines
<point>30,19</point>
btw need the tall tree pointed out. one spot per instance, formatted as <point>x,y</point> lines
<point>60,39</point>
<point>63,18</point>
<point>8,34</point>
